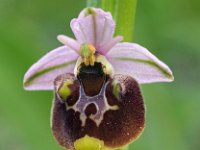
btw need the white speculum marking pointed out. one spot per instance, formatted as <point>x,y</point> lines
<point>100,101</point>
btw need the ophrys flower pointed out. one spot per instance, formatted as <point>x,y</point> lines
<point>95,79</point>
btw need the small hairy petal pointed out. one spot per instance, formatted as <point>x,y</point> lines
<point>42,74</point>
<point>95,28</point>
<point>136,61</point>
<point>74,45</point>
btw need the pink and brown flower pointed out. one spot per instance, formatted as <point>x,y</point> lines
<point>95,80</point>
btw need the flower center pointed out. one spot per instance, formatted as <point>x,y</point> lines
<point>88,57</point>
<point>87,52</point>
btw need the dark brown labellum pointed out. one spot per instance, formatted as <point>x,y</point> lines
<point>109,109</point>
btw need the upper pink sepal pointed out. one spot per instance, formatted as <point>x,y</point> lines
<point>95,26</point>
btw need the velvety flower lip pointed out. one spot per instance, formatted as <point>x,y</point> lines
<point>96,27</point>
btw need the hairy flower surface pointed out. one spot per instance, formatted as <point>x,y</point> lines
<point>95,79</point>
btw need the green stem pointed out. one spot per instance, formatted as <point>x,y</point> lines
<point>126,18</point>
<point>123,12</point>
<point>93,3</point>
<point>111,6</point>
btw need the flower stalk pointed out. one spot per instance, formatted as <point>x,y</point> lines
<point>93,3</point>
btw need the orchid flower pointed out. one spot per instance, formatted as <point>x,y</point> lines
<point>95,80</point>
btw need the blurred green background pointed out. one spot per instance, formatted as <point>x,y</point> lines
<point>169,29</point>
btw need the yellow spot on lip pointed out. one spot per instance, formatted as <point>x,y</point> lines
<point>87,52</point>
<point>116,89</point>
<point>64,90</point>
<point>89,143</point>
